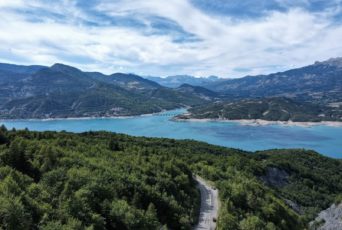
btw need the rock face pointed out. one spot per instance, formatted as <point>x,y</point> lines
<point>294,206</point>
<point>275,177</point>
<point>329,219</point>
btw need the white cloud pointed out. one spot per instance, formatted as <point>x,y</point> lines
<point>278,41</point>
<point>13,3</point>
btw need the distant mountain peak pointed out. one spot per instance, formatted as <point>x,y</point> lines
<point>63,67</point>
<point>129,78</point>
<point>178,80</point>
<point>197,90</point>
<point>214,78</point>
<point>125,75</point>
<point>185,85</point>
<point>337,62</point>
<point>59,65</point>
<point>67,70</point>
<point>65,91</point>
<point>320,83</point>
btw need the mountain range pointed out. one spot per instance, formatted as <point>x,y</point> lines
<point>318,83</point>
<point>64,91</point>
<point>178,80</point>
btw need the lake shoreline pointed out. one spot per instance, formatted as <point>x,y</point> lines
<point>248,122</point>
<point>260,122</point>
<point>323,139</point>
<point>84,118</point>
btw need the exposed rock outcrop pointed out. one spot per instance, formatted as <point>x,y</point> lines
<point>329,219</point>
<point>275,177</point>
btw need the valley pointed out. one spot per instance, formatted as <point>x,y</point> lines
<point>170,115</point>
<point>252,137</point>
<point>62,91</point>
<point>150,181</point>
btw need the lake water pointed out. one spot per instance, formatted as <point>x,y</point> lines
<point>324,139</point>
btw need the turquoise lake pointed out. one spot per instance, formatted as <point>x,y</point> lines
<point>324,139</point>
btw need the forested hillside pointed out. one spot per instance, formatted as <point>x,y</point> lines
<point>319,83</point>
<point>63,91</point>
<point>270,109</point>
<point>99,180</point>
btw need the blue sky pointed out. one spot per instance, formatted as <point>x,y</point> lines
<point>228,38</point>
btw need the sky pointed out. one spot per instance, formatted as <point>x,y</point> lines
<point>226,38</point>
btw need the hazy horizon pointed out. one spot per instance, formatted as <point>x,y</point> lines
<point>156,76</point>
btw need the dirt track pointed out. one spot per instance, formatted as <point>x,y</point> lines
<point>209,206</point>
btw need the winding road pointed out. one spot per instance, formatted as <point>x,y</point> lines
<point>209,206</point>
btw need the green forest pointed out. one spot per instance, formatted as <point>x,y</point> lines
<point>270,109</point>
<point>101,180</point>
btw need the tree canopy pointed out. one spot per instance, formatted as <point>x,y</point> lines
<point>99,180</point>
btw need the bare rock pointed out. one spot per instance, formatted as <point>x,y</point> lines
<point>275,177</point>
<point>329,219</point>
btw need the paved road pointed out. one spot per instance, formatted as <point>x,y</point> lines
<point>209,206</point>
